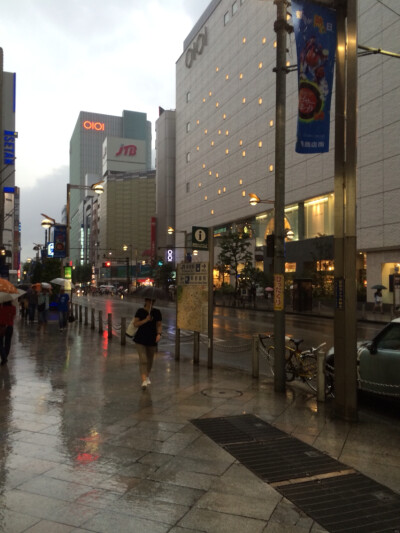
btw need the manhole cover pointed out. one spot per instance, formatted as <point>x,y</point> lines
<point>221,393</point>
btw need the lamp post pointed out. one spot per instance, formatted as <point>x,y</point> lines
<point>172,230</point>
<point>96,187</point>
<point>128,277</point>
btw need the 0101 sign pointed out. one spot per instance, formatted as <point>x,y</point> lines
<point>91,125</point>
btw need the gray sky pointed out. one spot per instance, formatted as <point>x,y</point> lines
<point>83,55</point>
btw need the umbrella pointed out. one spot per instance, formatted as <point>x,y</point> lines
<point>23,286</point>
<point>8,291</point>
<point>269,289</point>
<point>151,293</point>
<point>378,286</point>
<point>45,285</point>
<point>65,283</point>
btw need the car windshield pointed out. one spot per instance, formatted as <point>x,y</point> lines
<point>389,338</point>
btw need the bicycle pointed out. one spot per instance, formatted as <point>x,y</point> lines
<point>298,364</point>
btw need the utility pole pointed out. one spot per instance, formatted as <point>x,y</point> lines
<point>281,28</point>
<point>345,334</point>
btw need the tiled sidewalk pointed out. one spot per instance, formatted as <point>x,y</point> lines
<point>83,448</point>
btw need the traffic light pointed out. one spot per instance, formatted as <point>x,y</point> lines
<point>107,264</point>
<point>160,262</point>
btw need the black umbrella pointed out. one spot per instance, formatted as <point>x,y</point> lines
<point>378,287</point>
<point>151,293</point>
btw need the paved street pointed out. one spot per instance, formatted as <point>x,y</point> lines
<point>83,448</point>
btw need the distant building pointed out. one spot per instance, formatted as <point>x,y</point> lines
<point>9,203</point>
<point>102,145</point>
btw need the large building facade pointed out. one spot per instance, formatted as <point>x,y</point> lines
<point>10,231</point>
<point>103,147</point>
<point>225,140</point>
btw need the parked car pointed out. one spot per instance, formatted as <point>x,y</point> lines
<point>378,362</point>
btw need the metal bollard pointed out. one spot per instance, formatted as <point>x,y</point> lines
<point>93,319</point>
<point>86,316</point>
<point>321,376</point>
<point>109,325</point>
<point>80,314</point>
<point>196,348</point>
<point>256,356</point>
<point>100,321</point>
<point>123,331</point>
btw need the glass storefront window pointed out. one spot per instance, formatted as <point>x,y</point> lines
<point>318,216</point>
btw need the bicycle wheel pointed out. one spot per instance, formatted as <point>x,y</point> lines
<point>290,371</point>
<point>308,370</point>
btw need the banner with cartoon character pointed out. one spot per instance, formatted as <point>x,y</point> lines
<point>60,239</point>
<point>315,33</point>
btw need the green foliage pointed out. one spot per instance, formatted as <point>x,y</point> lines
<point>226,288</point>
<point>234,251</point>
<point>47,270</point>
<point>82,274</point>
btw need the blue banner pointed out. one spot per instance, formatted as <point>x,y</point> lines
<point>315,32</point>
<point>60,239</point>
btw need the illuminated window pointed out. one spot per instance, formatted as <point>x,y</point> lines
<point>204,100</point>
<point>240,76</point>
<point>212,143</point>
<point>274,44</point>
<point>290,267</point>
<point>227,77</point>
<point>204,165</point>
<point>260,100</point>
<point>243,100</point>
<point>197,121</point>
<point>219,191</point>
<point>216,69</point>
<point>244,40</point>
<point>227,132</point>
<point>205,132</point>
<point>244,153</point>
<point>264,40</point>
<point>271,168</point>
<point>210,93</point>
<point>217,174</point>
<point>243,193</point>
<point>240,182</point>
<point>224,189</point>
<point>271,123</point>
<point>198,148</point>
<point>260,65</point>
<point>205,197</point>
<point>209,173</point>
<point>199,183</point>
<point>260,144</point>
<point>216,104</point>
<point>212,211</point>
<point>219,132</point>
<point>224,116</point>
<point>227,151</point>
<point>240,142</point>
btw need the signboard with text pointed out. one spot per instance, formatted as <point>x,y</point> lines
<point>192,297</point>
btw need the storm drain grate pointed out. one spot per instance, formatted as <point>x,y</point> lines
<point>347,503</point>
<point>241,428</point>
<point>340,499</point>
<point>287,459</point>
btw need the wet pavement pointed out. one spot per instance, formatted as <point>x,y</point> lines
<point>83,448</point>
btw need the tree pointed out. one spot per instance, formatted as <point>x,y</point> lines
<point>163,275</point>
<point>234,251</point>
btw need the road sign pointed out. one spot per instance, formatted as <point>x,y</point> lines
<point>200,238</point>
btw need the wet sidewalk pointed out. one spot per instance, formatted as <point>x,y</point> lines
<point>83,448</point>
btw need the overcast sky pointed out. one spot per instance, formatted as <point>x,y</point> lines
<point>83,55</point>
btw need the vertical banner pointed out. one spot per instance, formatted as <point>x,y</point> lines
<point>60,240</point>
<point>315,32</point>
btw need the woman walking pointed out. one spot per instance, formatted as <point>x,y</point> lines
<point>148,320</point>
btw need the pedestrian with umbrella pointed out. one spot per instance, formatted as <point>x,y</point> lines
<point>8,293</point>
<point>148,320</point>
<point>378,307</point>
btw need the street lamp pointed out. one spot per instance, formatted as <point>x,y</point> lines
<point>172,230</point>
<point>254,200</point>
<point>96,187</point>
